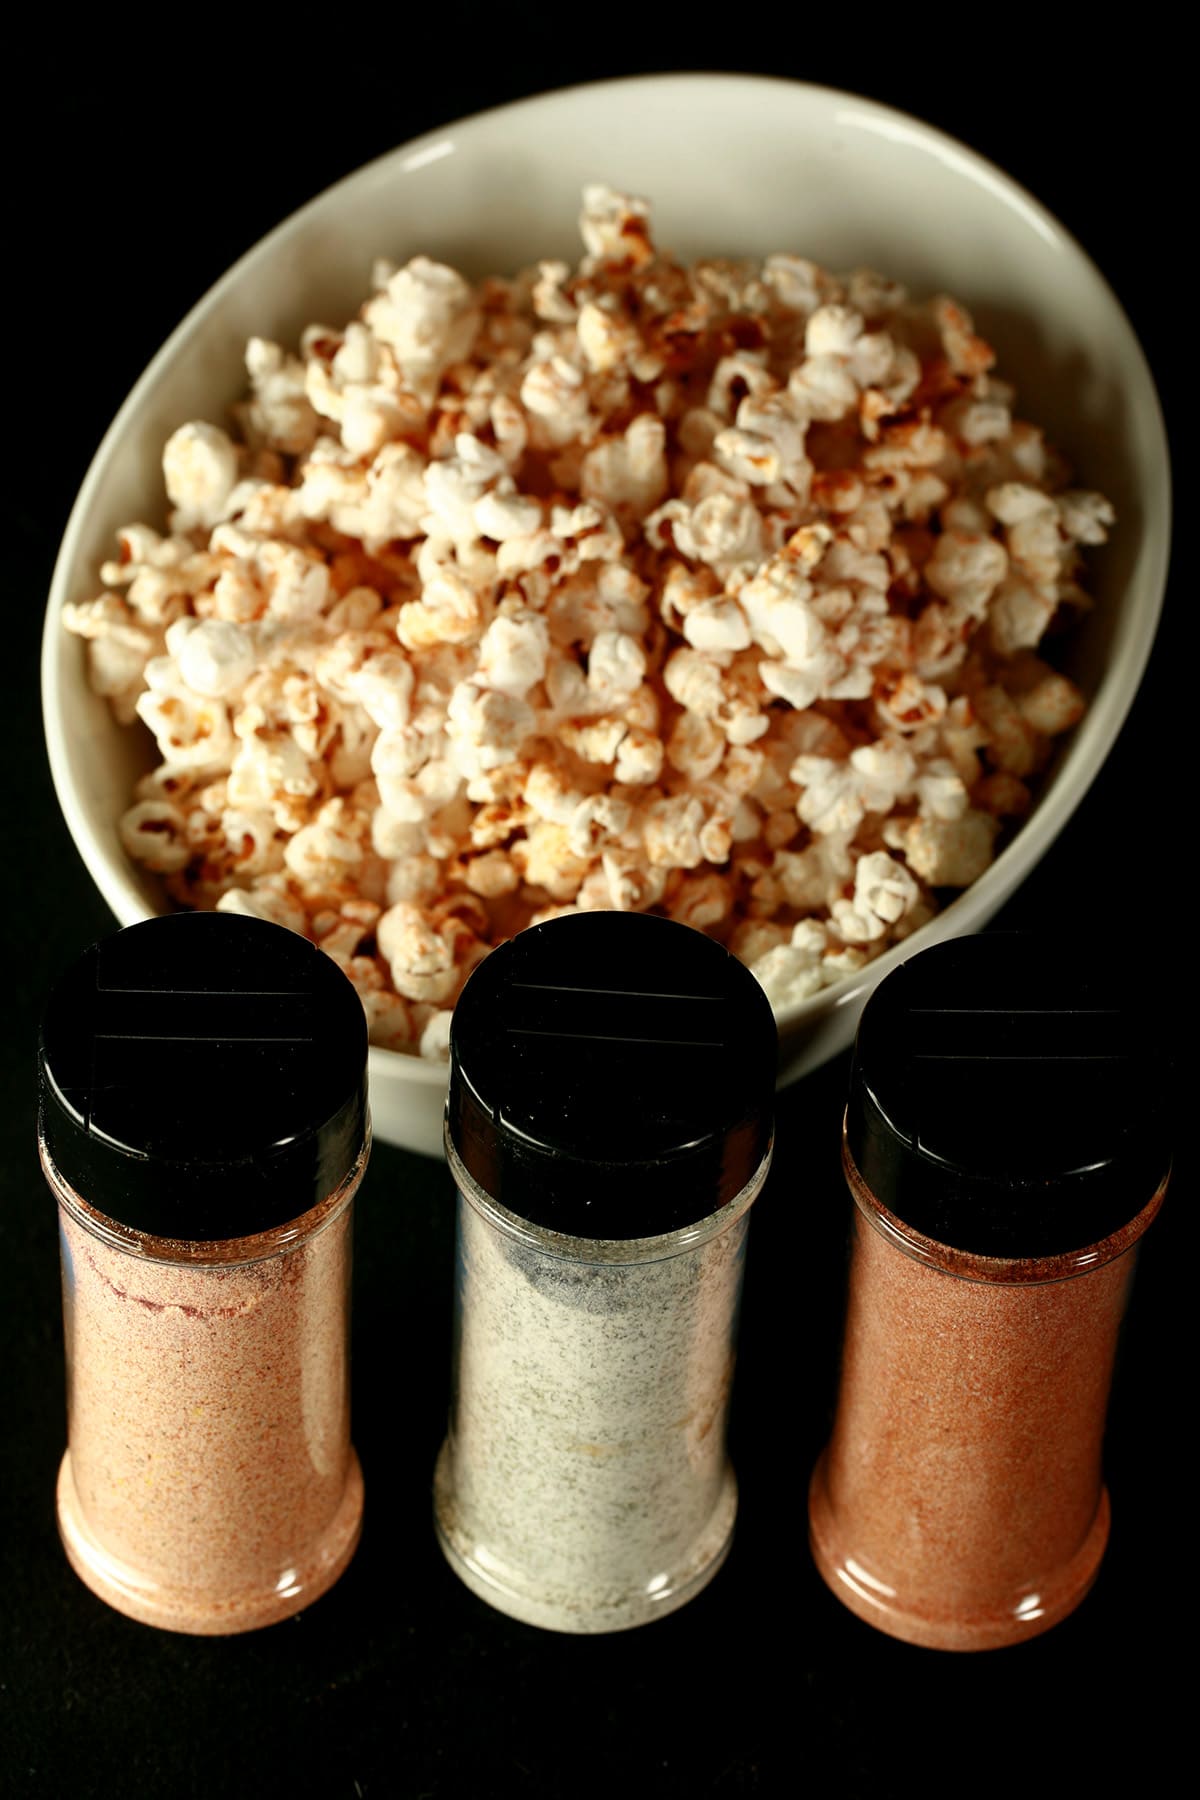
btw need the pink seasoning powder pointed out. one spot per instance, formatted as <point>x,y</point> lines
<point>210,1484</point>
<point>960,1502</point>
<point>204,1131</point>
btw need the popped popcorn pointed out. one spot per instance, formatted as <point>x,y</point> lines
<point>714,589</point>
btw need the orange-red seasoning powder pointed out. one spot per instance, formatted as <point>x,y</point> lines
<point>960,1502</point>
<point>1010,1115</point>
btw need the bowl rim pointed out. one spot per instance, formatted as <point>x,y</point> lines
<point>1047,819</point>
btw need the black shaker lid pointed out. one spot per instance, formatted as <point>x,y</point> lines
<point>203,1076</point>
<point>1009,1096</point>
<point>612,1075</point>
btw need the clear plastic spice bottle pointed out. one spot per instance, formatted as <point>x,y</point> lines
<point>1005,1146</point>
<point>608,1126</point>
<point>204,1129</point>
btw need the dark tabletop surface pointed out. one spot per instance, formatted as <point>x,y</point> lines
<point>142,171</point>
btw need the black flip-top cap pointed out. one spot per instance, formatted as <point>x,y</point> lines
<point>203,1076</point>
<point>612,1075</point>
<point>1009,1096</point>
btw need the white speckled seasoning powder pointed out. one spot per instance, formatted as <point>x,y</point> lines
<point>585,1484</point>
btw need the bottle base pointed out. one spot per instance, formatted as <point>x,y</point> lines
<point>579,1608</point>
<point>194,1610</point>
<point>916,1620</point>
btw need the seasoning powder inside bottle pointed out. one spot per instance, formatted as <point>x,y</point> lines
<point>204,1129</point>
<point>1005,1146</point>
<point>608,1126</point>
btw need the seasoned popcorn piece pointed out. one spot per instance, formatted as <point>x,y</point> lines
<point>753,938</point>
<point>694,680</point>
<point>965,569</point>
<point>383,687</point>
<point>723,530</point>
<point>484,727</point>
<point>966,353</point>
<point>616,664</point>
<point>192,730</point>
<point>329,850</point>
<point>1002,795</point>
<point>154,833</point>
<point>832,330</point>
<point>1085,517</point>
<point>595,740</point>
<point>884,892</point>
<point>214,657</point>
<point>200,468</point>
<point>504,514</point>
<point>513,652</point>
<point>1018,615</point>
<point>118,649</point>
<point>545,860</point>
<point>795,283</point>
<point>944,852</point>
<point>278,415</point>
<point>555,397</point>
<point>615,227</point>
<point>160,576</point>
<point>835,796</point>
<point>628,473</point>
<point>793,972</point>
<point>806,880</point>
<point>550,793</point>
<point>1009,741</point>
<point>607,339</point>
<point>491,874</point>
<point>414,876</point>
<point>671,832</point>
<point>362,389</point>
<point>696,746</point>
<point>261,900</point>
<point>599,820</point>
<point>420,958</point>
<point>428,317</point>
<point>735,379</point>
<point>907,703</point>
<point>633,884</point>
<point>701,901</point>
<point>940,789</point>
<point>434,1044</point>
<point>253,844</point>
<point>718,625</point>
<point>822,388</point>
<point>1052,705</point>
<point>550,302</point>
<point>270,770</point>
<point>390,1022</point>
<point>639,758</point>
<point>454,485</point>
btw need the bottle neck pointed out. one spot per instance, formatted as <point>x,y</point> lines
<point>1010,1271</point>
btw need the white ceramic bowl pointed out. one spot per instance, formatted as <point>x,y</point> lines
<point>734,165</point>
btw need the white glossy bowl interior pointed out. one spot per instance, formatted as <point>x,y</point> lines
<point>734,165</point>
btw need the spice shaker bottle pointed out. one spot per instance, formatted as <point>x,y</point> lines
<point>608,1126</point>
<point>1005,1147</point>
<point>204,1128</point>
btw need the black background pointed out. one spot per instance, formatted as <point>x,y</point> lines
<point>139,170</point>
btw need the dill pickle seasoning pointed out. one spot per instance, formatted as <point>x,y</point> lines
<point>608,1127</point>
